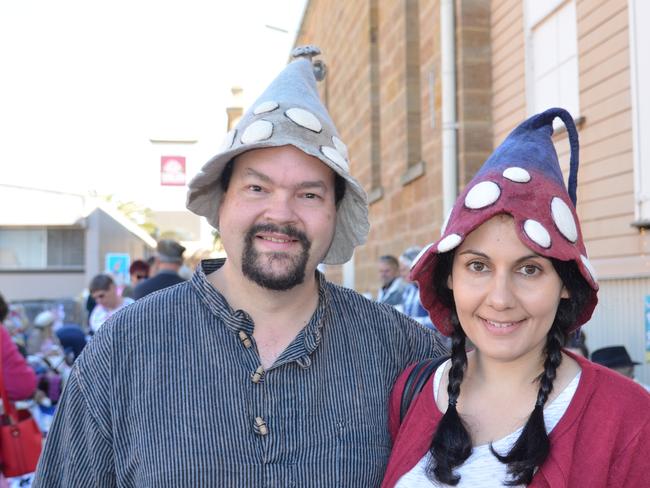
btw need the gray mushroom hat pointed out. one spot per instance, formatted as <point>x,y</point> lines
<point>290,112</point>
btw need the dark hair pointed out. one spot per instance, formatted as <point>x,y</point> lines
<point>4,308</point>
<point>392,260</point>
<point>139,265</point>
<point>452,444</point>
<point>339,182</point>
<point>100,282</point>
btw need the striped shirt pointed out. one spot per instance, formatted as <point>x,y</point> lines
<point>167,394</point>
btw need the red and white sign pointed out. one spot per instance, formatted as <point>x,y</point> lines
<point>172,170</point>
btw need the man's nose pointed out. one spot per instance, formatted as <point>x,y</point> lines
<point>281,209</point>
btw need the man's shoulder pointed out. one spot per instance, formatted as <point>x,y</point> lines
<point>353,302</point>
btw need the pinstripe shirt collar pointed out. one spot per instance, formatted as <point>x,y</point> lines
<point>237,320</point>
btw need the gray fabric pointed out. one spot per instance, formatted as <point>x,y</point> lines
<point>295,87</point>
<point>162,396</point>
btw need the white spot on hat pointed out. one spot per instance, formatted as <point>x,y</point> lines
<point>589,267</point>
<point>265,107</point>
<point>228,140</point>
<point>563,219</point>
<point>340,146</point>
<point>449,242</point>
<point>517,174</point>
<point>482,195</point>
<point>336,157</point>
<point>420,254</point>
<point>537,233</point>
<point>260,130</point>
<point>304,119</point>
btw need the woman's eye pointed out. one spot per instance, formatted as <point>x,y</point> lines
<point>477,266</point>
<point>254,188</point>
<point>529,270</point>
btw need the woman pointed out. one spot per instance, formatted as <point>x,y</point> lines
<point>510,274</point>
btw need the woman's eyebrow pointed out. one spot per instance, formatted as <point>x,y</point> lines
<point>483,255</point>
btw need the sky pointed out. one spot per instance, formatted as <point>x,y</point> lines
<point>85,85</point>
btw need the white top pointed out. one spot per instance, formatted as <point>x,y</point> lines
<point>99,315</point>
<point>482,468</point>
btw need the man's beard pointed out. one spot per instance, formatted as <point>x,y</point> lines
<point>254,263</point>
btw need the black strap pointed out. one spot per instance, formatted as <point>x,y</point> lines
<point>416,380</point>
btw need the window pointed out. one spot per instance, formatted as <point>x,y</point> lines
<point>552,56</point>
<point>42,249</point>
<point>639,14</point>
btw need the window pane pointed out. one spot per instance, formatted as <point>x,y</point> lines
<point>22,249</point>
<point>65,248</point>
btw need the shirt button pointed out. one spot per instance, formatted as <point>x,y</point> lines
<point>260,426</point>
<point>256,377</point>
<point>243,337</point>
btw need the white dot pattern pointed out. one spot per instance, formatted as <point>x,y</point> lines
<point>260,130</point>
<point>304,118</point>
<point>340,146</point>
<point>563,219</point>
<point>449,243</point>
<point>589,267</point>
<point>228,140</point>
<point>482,195</point>
<point>266,107</point>
<point>517,174</point>
<point>420,254</point>
<point>336,157</point>
<point>537,233</point>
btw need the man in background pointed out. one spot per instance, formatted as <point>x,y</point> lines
<point>618,359</point>
<point>107,299</point>
<point>168,261</point>
<point>392,285</point>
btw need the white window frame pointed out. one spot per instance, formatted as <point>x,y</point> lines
<point>536,13</point>
<point>639,16</point>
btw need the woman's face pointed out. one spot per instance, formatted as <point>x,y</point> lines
<point>506,295</point>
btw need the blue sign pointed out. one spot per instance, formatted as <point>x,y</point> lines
<point>117,265</point>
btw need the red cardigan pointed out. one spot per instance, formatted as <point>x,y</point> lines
<point>602,440</point>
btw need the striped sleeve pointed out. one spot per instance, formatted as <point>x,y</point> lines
<point>78,451</point>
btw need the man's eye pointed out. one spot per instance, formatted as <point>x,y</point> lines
<point>311,196</point>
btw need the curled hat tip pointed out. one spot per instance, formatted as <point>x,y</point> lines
<point>307,51</point>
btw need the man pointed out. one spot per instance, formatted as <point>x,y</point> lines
<point>392,285</point>
<point>107,300</point>
<point>168,261</point>
<point>618,359</point>
<point>257,371</point>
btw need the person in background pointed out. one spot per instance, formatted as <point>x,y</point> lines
<point>392,285</point>
<point>107,299</point>
<point>168,262</point>
<point>411,296</point>
<point>577,344</point>
<point>138,272</point>
<point>510,274</point>
<point>19,378</point>
<point>618,359</point>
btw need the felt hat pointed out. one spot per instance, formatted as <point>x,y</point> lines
<point>521,178</point>
<point>613,357</point>
<point>290,112</point>
<point>169,251</point>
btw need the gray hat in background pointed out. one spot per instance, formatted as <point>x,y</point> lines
<point>290,112</point>
<point>169,251</point>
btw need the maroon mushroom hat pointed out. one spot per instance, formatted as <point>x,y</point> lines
<point>521,178</point>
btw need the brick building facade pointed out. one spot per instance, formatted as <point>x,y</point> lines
<point>384,90</point>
